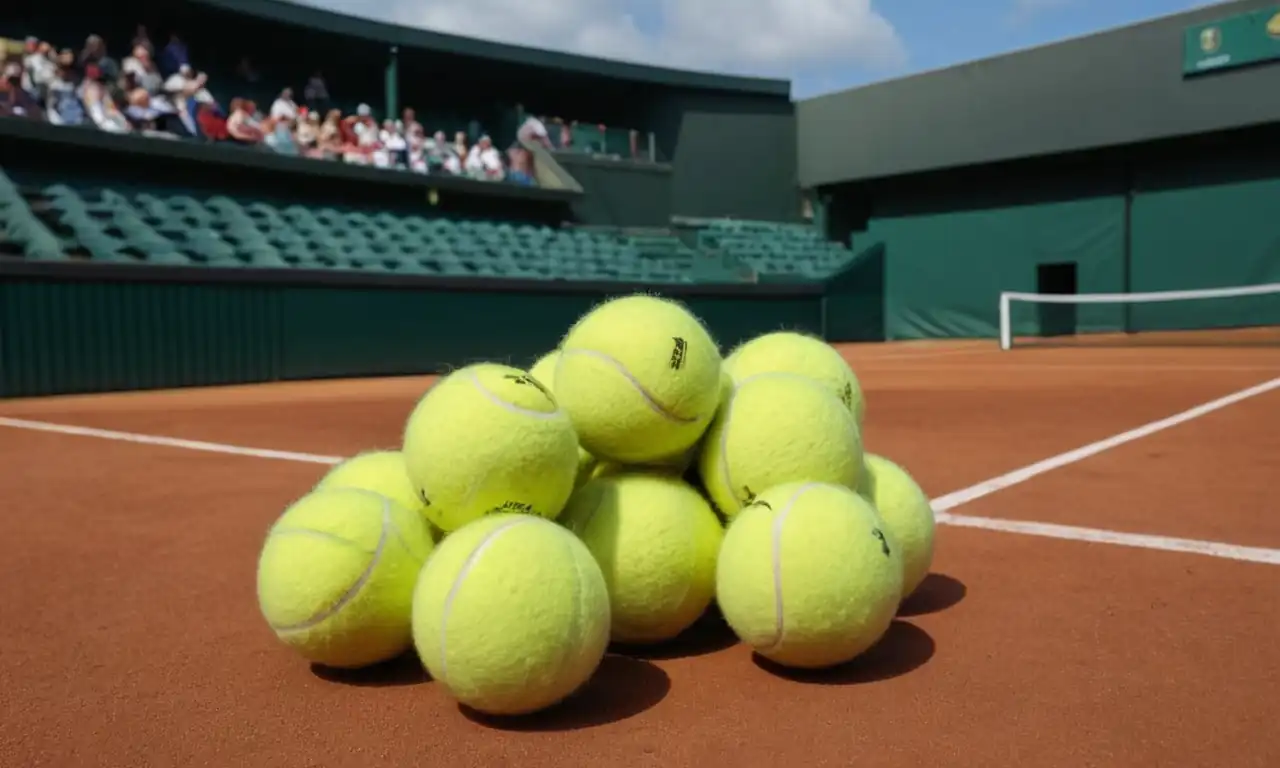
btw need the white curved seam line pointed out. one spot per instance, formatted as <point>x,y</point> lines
<point>454,588</point>
<point>575,628</point>
<point>649,399</point>
<point>498,401</point>
<point>355,588</point>
<point>776,556</point>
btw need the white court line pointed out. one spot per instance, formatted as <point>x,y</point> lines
<point>168,442</point>
<point>942,505</point>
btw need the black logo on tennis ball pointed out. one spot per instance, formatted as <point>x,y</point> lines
<point>678,352</point>
<point>884,543</point>
<point>750,498</point>
<point>512,506</point>
<point>524,379</point>
<point>847,395</point>
<point>423,496</point>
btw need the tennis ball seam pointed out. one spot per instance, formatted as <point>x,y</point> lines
<point>653,403</point>
<point>473,557</point>
<point>493,397</point>
<point>724,449</point>
<point>780,624</point>
<point>357,585</point>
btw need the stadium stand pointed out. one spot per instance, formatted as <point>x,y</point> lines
<point>158,89</point>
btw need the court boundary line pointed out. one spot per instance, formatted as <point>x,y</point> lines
<point>942,505</point>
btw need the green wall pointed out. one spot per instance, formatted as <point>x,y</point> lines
<point>620,193</point>
<point>66,329</point>
<point>1208,221</point>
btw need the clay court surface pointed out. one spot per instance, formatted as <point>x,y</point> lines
<point>1117,607</point>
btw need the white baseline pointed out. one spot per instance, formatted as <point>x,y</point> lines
<point>942,505</point>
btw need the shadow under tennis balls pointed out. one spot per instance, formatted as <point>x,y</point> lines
<point>936,593</point>
<point>621,688</point>
<point>707,635</point>
<point>404,669</point>
<point>904,648</point>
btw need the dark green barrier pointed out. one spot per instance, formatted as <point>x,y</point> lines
<point>855,298</point>
<point>93,328</point>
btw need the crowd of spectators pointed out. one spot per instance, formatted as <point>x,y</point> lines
<point>159,93</point>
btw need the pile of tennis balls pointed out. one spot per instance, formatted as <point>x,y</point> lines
<point>611,493</point>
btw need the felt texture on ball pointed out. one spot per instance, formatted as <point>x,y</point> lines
<point>656,541</point>
<point>778,428</point>
<point>489,438</point>
<point>640,378</point>
<point>799,353</point>
<point>336,576</point>
<point>808,576</point>
<point>906,512</point>
<point>511,614</point>
<point>544,370</point>
<point>382,472</point>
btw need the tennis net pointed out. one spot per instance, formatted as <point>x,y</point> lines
<point>1243,315</point>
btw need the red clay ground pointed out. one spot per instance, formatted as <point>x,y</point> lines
<point>131,636</point>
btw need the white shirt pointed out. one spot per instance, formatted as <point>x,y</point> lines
<point>284,109</point>
<point>532,128</point>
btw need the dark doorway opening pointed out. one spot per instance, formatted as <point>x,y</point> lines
<point>1058,278</point>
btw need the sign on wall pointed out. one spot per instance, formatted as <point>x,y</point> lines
<point>1234,41</point>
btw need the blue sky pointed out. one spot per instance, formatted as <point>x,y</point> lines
<point>820,45</point>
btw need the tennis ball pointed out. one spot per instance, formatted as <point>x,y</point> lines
<point>640,377</point>
<point>656,540</point>
<point>336,576</point>
<point>382,472</point>
<point>808,576</point>
<point>511,614</point>
<point>906,512</point>
<point>544,370</point>
<point>489,438</point>
<point>791,352</point>
<point>778,428</point>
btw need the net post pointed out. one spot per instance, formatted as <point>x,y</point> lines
<point>1006,331</point>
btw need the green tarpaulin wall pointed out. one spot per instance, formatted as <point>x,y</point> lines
<point>945,271</point>
<point>1208,224</point>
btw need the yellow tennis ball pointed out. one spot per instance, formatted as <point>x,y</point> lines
<point>382,472</point>
<point>336,576</point>
<point>778,428</point>
<point>808,576</point>
<point>656,540</point>
<point>511,614</point>
<point>544,370</point>
<point>906,512</point>
<point>489,438</point>
<point>791,352</point>
<point>640,377</point>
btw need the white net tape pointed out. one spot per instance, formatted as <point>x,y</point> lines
<point>1009,297</point>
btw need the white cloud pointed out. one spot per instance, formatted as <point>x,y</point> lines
<point>779,38</point>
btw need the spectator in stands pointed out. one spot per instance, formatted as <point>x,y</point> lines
<point>394,145</point>
<point>284,107</point>
<point>279,135</point>
<point>99,104</point>
<point>211,120</point>
<point>460,147</point>
<point>144,70</point>
<point>174,56</point>
<point>63,106</point>
<point>521,162</point>
<point>142,39</point>
<point>94,54</point>
<point>331,143</point>
<point>484,162</point>
<point>184,82</point>
<point>533,131</point>
<point>409,119</point>
<point>38,68</point>
<point>146,118</point>
<point>316,92</point>
<point>14,101</point>
<point>307,135</point>
<point>242,128</point>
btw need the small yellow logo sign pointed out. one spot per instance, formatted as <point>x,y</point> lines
<point>1273,26</point>
<point>1210,39</point>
